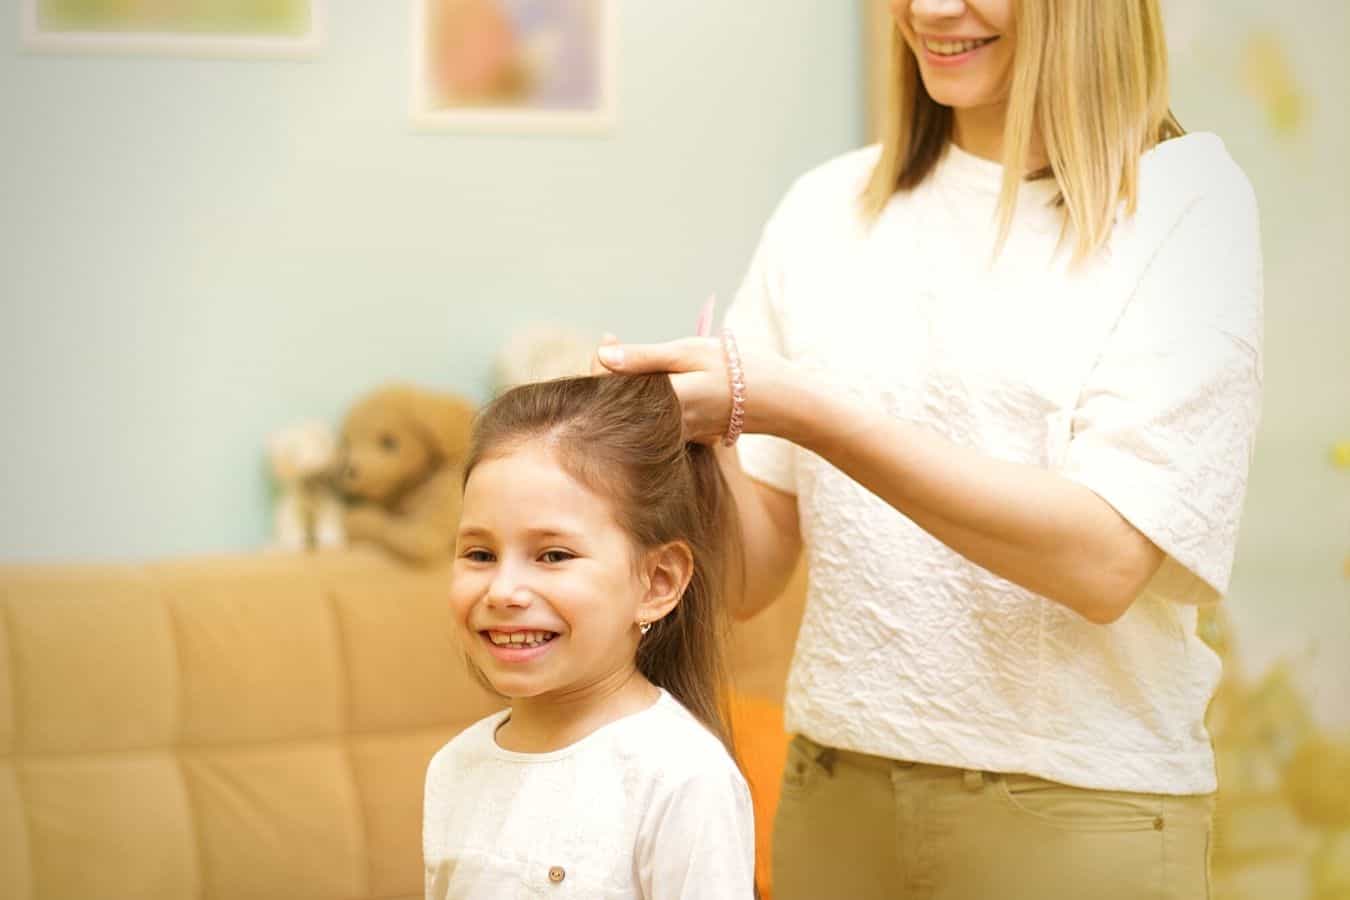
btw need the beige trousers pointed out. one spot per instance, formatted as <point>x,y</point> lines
<point>856,827</point>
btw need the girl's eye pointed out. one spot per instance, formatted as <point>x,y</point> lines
<point>478,556</point>
<point>555,556</point>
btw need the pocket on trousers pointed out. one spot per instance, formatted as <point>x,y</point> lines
<point>1079,809</point>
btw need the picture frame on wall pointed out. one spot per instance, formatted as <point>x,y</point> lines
<point>224,28</point>
<point>513,65</point>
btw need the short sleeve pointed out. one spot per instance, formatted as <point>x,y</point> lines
<point>700,845</point>
<point>1164,428</point>
<point>754,317</point>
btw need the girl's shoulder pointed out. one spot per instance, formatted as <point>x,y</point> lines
<point>672,742</point>
<point>475,741</point>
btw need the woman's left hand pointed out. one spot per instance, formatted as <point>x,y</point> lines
<point>698,372</point>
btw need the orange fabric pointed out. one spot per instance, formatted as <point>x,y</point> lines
<point>761,744</point>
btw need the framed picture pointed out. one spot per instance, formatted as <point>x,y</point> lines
<point>243,28</point>
<point>513,65</point>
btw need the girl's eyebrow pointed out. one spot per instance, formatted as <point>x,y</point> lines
<point>543,531</point>
<point>474,532</point>
<point>554,532</point>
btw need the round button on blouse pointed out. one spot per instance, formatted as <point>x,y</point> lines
<point>557,874</point>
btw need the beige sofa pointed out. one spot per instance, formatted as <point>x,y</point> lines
<point>247,727</point>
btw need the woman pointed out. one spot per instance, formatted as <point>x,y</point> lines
<point>1001,377</point>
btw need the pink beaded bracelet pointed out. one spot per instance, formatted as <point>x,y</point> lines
<point>736,375</point>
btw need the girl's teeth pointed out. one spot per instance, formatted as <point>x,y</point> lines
<point>520,638</point>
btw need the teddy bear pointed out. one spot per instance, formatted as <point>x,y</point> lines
<point>402,452</point>
<point>308,514</point>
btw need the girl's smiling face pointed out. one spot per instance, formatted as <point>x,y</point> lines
<point>548,589</point>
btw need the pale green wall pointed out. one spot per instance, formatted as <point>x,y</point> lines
<point>196,252</point>
<point>1290,597</point>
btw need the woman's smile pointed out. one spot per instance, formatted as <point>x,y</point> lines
<point>950,51</point>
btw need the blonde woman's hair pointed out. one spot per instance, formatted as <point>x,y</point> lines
<point>1089,78</point>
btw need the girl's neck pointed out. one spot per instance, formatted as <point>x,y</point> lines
<point>554,721</point>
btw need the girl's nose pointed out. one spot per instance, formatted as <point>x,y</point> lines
<point>509,591</point>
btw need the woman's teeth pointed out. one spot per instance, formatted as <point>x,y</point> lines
<point>954,48</point>
<point>520,638</point>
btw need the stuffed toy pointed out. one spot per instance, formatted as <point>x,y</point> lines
<point>309,511</point>
<point>402,454</point>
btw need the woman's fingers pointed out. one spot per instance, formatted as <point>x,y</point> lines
<point>705,404</point>
<point>697,373</point>
<point>598,367</point>
<point>684,355</point>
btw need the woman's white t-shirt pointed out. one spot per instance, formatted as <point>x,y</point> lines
<point>1136,374</point>
<point>648,807</point>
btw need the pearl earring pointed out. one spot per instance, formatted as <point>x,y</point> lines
<point>644,627</point>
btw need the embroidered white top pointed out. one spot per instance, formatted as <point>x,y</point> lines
<point>649,807</point>
<point>1136,374</point>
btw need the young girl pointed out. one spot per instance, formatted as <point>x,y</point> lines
<point>593,548</point>
<point>1002,378</point>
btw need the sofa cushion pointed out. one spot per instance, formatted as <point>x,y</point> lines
<point>110,825</point>
<point>16,870</point>
<point>94,661</point>
<point>279,821</point>
<point>390,771</point>
<point>258,649</point>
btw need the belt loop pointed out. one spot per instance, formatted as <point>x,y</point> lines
<point>972,780</point>
<point>826,760</point>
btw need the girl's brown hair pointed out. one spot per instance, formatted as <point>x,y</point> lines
<point>622,437</point>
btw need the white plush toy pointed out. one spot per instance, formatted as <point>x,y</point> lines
<point>542,353</point>
<point>309,510</point>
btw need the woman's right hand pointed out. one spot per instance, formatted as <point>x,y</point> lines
<point>698,371</point>
<point>769,523</point>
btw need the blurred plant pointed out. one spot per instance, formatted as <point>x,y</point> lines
<point>1269,79</point>
<point>1283,812</point>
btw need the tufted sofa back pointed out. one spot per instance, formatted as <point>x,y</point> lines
<point>250,727</point>
<point>243,728</point>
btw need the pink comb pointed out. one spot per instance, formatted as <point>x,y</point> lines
<point>705,317</point>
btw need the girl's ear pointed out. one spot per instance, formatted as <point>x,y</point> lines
<point>665,573</point>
